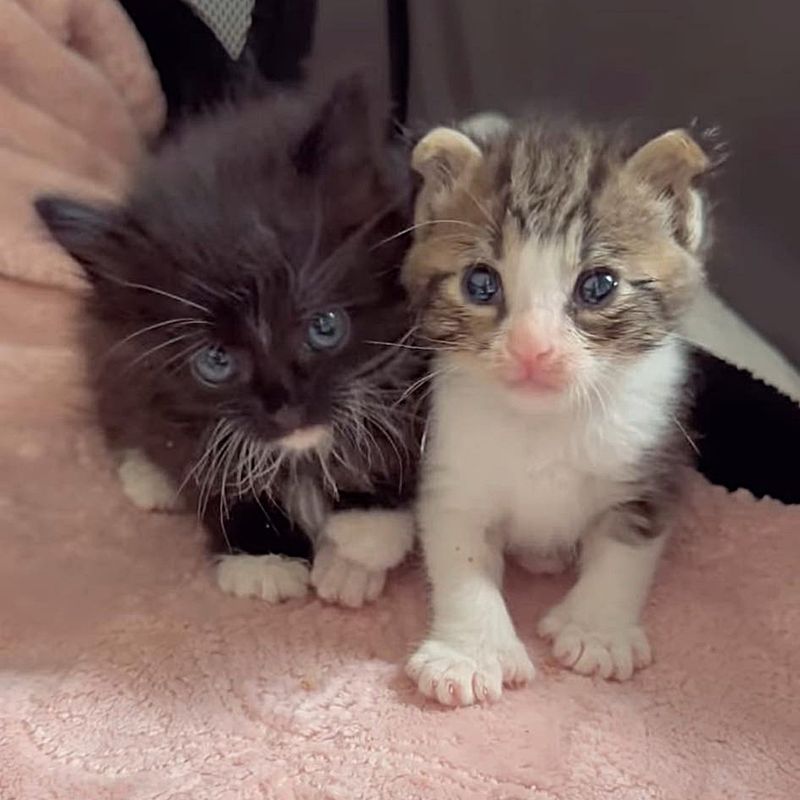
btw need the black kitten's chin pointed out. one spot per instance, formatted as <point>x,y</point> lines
<point>312,437</point>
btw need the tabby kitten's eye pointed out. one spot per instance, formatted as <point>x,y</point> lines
<point>328,329</point>
<point>482,284</point>
<point>213,365</point>
<point>596,286</point>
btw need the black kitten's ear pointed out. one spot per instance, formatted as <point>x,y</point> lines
<point>342,131</point>
<point>79,228</point>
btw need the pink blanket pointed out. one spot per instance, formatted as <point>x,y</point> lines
<point>125,674</point>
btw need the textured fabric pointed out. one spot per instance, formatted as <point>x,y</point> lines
<point>125,674</point>
<point>77,96</point>
<point>228,19</point>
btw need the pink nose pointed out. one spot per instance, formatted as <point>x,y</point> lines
<point>534,359</point>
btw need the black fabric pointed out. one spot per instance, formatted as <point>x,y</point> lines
<point>747,432</point>
<point>399,57</point>
<point>280,38</point>
<point>195,69</point>
<point>192,65</point>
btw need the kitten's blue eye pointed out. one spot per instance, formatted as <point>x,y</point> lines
<point>595,286</point>
<point>214,365</point>
<point>482,284</point>
<point>328,329</point>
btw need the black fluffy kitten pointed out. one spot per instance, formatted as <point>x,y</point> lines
<point>247,329</point>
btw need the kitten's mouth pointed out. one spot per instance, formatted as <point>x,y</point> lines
<point>536,385</point>
<point>312,437</point>
<point>533,381</point>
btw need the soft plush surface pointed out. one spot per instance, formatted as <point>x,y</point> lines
<point>125,674</point>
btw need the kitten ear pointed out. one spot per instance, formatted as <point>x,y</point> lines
<point>670,163</point>
<point>443,154</point>
<point>79,228</point>
<point>340,130</point>
<point>441,157</point>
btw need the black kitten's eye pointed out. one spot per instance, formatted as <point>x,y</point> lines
<point>328,329</point>
<point>214,365</point>
<point>482,284</point>
<point>595,286</point>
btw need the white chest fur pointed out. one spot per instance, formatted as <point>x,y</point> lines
<point>539,479</point>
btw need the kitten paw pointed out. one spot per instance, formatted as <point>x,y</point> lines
<point>455,675</point>
<point>376,539</point>
<point>340,580</point>
<point>145,485</point>
<point>610,652</point>
<point>272,578</point>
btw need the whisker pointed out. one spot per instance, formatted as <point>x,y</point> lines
<point>177,298</point>
<point>403,346</point>
<point>177,322</point>
<point>418,384</point>
<point>686,435</point>
<point>142,356</point>
<point>414,227</point>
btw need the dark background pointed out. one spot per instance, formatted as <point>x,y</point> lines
<point>736,65</point>
<point>732,65</point>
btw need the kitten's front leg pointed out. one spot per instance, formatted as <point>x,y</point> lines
<point>472,648</point>
<point>357,548</point>
<point>146,485</point>
<point>259,551</point>
<point>595,629</point>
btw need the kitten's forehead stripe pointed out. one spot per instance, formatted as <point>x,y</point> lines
<point>553,180</point>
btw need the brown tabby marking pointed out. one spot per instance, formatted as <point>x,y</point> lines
<point>565,198</point>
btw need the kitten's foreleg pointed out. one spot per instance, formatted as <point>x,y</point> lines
<point>472,648</point>
<point>355,551</point>
<point>145,484</point>
<point>595,629</point>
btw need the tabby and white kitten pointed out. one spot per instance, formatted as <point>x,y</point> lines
<point>245,310</point>
<point>552,267</point>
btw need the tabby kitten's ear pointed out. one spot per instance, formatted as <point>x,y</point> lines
<point>670,164</point>
<point>443,157</point>
<point>79,228</point>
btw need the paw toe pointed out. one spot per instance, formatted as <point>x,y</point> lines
<point>339,580</point>
<point>611,653</point>
<point>271,578</point>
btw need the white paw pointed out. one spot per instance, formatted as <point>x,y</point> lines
<point>458,675</point>
<point>145,485</point>
<point>340,580</point>
<point>376,539</point>
<point>272,578</point>
<point>607,651</point>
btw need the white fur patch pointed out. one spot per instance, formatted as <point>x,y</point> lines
<point>146,486</point>
<point>378,540</point>
<point>272,578</point>
<point>608,652</point>
<point>500,478</point>
<point>311,438</point>
<point>463,676</point>
<point>358,548</point>
<point>342,581</point>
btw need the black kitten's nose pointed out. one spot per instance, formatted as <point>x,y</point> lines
<point>288,417</point>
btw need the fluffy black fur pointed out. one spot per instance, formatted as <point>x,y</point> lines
<point>245,225</point>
